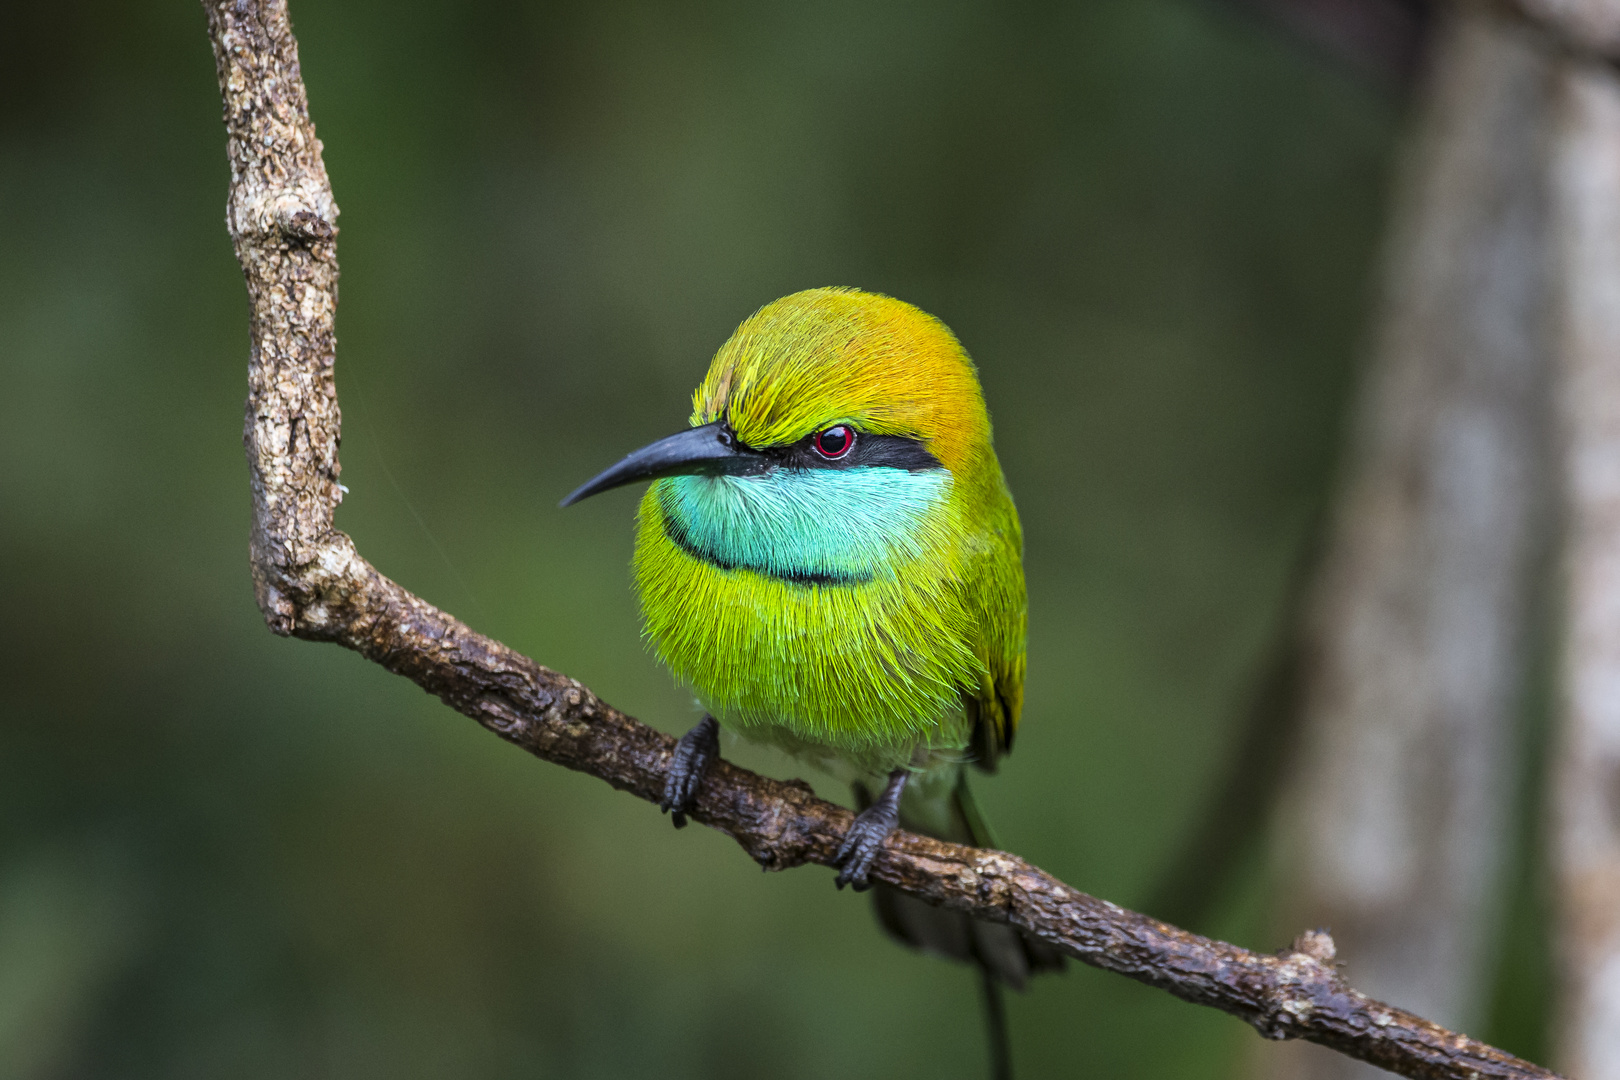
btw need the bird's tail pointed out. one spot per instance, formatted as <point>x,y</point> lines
<point>1003,955</point>
<point>995,1026</point>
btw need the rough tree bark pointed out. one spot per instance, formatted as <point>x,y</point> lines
<point>1586,773</point>
<point>311,583</point>
<point>1394,826</point>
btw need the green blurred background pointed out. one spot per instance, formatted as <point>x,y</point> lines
<point>1152,222</point>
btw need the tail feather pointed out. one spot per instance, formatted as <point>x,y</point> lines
<point>995,1022</point>
<point>1005,955</point>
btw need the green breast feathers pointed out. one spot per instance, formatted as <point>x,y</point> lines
<point>831,604</point>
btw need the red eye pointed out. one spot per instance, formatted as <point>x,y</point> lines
<point>835,442</point>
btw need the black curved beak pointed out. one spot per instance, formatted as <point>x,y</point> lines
<point>711,450</point>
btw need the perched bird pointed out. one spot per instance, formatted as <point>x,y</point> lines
<point>830,558</point>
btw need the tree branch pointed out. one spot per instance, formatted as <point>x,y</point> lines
<point>1586,769</point>
<point>1395,826</point>
<point>311,583</point>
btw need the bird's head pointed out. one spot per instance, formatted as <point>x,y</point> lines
<point>825,379</point>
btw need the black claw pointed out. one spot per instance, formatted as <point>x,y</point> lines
<point>866,834</point>
<point>694,753</point>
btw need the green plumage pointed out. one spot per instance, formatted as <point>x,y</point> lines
<point>921,643</point>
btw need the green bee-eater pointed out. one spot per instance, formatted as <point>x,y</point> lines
<point>830,558</point>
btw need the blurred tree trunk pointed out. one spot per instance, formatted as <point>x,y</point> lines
<point>1586,776</point>
<point>1393,827</point>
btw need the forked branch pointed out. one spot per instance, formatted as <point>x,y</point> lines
<point>311,583</point>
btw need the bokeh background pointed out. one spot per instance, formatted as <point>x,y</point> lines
<point>1154,223</point>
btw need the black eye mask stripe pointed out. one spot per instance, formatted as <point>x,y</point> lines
<point>870,451</point>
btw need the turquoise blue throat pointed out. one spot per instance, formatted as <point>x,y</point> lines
<point>806,526</point>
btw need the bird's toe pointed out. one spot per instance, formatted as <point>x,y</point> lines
<point>693,755</point>
<point>860,849</point>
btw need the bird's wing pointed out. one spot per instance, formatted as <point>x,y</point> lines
<point>995,595</point>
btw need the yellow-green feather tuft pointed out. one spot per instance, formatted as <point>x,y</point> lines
<point>841,355</point>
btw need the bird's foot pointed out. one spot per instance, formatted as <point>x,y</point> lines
<point>867,832</point>
<point>694,753</point>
